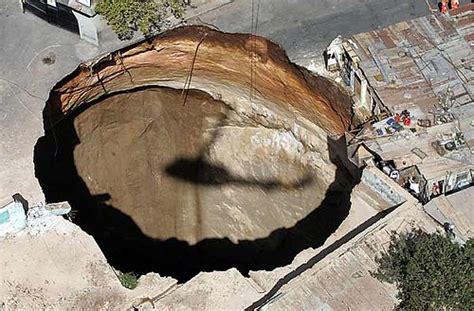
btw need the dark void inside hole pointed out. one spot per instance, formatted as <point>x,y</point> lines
<point>146,241</point>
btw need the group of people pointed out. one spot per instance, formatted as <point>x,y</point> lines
<point>445,5</point>
<point>403,117</point>
<point>411,183</point>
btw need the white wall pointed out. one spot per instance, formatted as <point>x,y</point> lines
<point>12,218</point>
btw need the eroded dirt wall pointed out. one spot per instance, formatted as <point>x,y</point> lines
<point>240,69</point>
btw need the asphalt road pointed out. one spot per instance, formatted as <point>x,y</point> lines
<point>303,27</point>
<point>306,27</point>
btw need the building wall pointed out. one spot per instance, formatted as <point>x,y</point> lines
<point>88,27</point>
<point>12,218</point>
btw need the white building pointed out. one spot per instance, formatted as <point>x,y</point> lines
<point>12,215</point>
<point>77,16</point>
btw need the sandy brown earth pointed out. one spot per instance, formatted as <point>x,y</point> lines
<point>53,265</point>
<point>192,171</point>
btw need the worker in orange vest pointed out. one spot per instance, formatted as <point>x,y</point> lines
<point>454,4</point>
<point>444,6</point>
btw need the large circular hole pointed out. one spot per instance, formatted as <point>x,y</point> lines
<point>181,184</point>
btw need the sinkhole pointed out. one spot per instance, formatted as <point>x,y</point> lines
<point>178,182</point>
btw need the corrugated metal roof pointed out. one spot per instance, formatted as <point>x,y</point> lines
<point>410,65</point>
<point>420,59</point>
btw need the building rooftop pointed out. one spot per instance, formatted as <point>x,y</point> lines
<point>343,280</point>
<point>426,67</point>
<point>456,209</point>
<point>411,64</point>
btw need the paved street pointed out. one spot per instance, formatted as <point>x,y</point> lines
<point>305,27</point>
<point>35,55</point>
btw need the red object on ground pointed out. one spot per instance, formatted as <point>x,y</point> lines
<point>407,121</point>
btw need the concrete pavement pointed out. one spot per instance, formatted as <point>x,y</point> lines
<point>303,27</point>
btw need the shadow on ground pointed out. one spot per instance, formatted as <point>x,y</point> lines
<point>128,249</point>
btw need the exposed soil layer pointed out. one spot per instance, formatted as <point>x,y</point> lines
<point>236,68</point>
<point>201,179</point>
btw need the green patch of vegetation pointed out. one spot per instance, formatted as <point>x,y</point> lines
<point>127,16</point>
<point>128,280</point>
<point>431,271</point>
